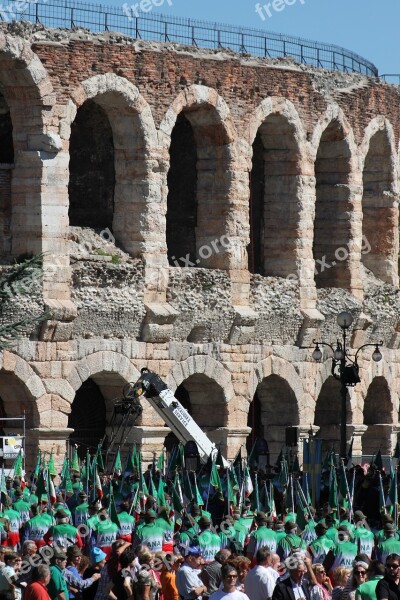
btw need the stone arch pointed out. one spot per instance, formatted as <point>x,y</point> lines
<point>110,371</point>
<point>378,416</point>
<point>273,365</point>
<point>335,154</point>
<point>380,239</point>
<point>137,193</point>
<point>272,382</point>
<point>22,391</point>
<point>279,149</point>
<point>206,365</point>
<point>203,116</point>
<point>34,144</point>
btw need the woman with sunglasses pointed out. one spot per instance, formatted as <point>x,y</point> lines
<point>357,577</point>
<point>323,588</point>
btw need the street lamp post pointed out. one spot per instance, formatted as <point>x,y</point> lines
<point>344,368</point>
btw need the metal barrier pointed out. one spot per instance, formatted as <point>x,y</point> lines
<point>393,78</point>
<point>162,28</point>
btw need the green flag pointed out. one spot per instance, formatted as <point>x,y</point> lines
<point>75,461</point>
<point>333,490</point>
<point>18,465</point>
<point>215,481</point>
<point>41,485</point>
<point>51,466</point>
<point>198,498</point>
<point>99,459</point>
<point>161,501</point>
<point>118,464</point>
<point>161,462</point>
<point>37,468</point>
<point>254,456</point>
<point>112,511</point>
<point>176,501</point>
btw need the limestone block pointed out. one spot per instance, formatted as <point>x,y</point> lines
<point>60,387</point>
<point>63,332</point>
<point>161,314</point>
<point>312,320</point>
<point>9,361</point>
<point>153,332</point>
<point>46,142</point>
<point>35,386</point>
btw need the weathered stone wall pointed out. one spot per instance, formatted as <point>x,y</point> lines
<point>328,143</point>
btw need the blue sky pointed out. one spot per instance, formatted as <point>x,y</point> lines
<point>369,27</point>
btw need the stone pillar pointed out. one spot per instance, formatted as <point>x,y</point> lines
<point>383,436</point>
<point>357,432</point>
<point>47,440</point>
<point>229,439</point>
<point>150,439</point>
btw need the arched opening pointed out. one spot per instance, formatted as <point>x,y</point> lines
<point>182,395</point>
<point>204,399</point>
<point>328,414</point>
<point>182,193</point>
<point>274,208</point>
<point>198,189</point>
<point>87,417</point>
<point>6,167</point>
<point>378,411</point>
<point>275,408</point>
<point>16,401</point>
<point>255,423</point>
<point>92,173</point>
<point>379,213</point>
<point>332,209</point>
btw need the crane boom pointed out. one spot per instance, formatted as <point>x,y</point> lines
<point>162,399</point>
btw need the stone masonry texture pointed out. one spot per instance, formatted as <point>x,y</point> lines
<point>289,216</point>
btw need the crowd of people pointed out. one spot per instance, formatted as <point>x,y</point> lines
<point>88,548</point>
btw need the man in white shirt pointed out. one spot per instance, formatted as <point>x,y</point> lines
<point>229,590</point>
<point>260,582</point>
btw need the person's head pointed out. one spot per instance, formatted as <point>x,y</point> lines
<point>204,523</point>
<point>296,567</point>
<point>150,516</point>
<point>341,575</point>
<point>375,569</point>
<point>29,548</point>
<point>61,516</point>
<point>127,558</point>
<point>12,559</point>
<point>290,527</point>
<point>193,557</point>
<point>359,572</point>
<point>274,561</point>
<point>261,519</point>
<point>319,572</point>
<point>229,576</point>
<point>262,556</point>
<point>97,558</point>
<point>74,555</point>
<point>59,559</point>
<point>343,533</point>
<point>242,566</point>
<point>321,529</point>
<point>145,558</point>
<point>392,566</point>
<point>222,556</point>
<point>389,529</point>
<point>41,573</point>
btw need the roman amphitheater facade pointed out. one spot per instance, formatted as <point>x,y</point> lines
<point>204,215</point>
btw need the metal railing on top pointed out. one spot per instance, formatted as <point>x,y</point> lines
<point>162,28</point>
<point>393,78</point>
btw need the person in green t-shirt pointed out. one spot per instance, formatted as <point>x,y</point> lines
<point>390,545</point>
<point>57,584</point>
<point>291,542</point>
<point>150,534</point>
<point>319,548</point>
<point>366,591</point>
<point>209,542</point>
<point>363,537</point>
<point>262,537</point>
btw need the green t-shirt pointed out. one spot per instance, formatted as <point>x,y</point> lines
<point>36,528</point>
<point>345,553</point>
<point>263,537</point>
<point>320,547</point>
<point>106,533</point>
<point>127,523</point>
<point>57,583</point>
<point>366,591</point>
<point>63,534</point>
<point>289,543</point>
<point>209,544</point>
<point>389,546</point>
<point>151,535</point>
<point>364,540</point>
